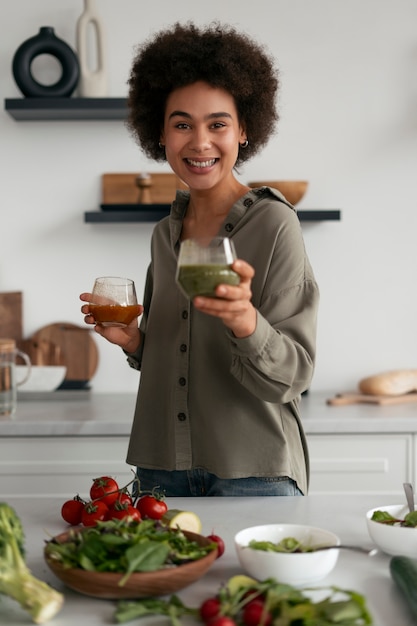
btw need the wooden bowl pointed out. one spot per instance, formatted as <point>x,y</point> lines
<point>138,585</point>
<point>293,190</point>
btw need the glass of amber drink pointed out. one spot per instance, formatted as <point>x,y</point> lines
<point>203,264</point>
<point>113,301</point>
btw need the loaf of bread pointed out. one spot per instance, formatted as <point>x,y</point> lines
<point>395,383</point>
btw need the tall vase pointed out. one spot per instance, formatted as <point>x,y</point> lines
<point>93,81</point>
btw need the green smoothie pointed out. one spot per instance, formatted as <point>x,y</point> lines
<point>202,280</point>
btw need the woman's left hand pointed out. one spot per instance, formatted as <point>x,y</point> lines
<point>233,303</point>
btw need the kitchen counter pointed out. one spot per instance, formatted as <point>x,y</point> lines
<point>58,442</point>
<point>344,515</point>
<point>86,413</point>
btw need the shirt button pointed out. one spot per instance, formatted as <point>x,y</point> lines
<point>229,227</point>
<point>183,347</point>
<point>182,417</point>
<point>185,315</point>
<point>182,381</point>
<point>248,202</point>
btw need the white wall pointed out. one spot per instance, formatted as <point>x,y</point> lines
<point>348,124</point>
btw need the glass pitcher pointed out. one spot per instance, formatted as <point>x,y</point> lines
<point>8,382</point>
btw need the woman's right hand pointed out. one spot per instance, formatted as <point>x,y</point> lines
<point>127,337</point>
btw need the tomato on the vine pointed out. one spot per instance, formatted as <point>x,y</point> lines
<point>105,489</point>
<point>210,609</point>
<point>123,498</point>
<point>220,544</point>
<point>152,507</point>
<point>71,511</point>
<point>94,512</point>
<point>255,614</point>
<point>123,510</point>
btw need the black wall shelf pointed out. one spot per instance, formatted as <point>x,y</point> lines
<point>155,212</point>
<point>53,109</point>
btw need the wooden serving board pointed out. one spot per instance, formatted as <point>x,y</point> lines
<point>341,399</point>
<point>76,348</point>
<point>11,315</point>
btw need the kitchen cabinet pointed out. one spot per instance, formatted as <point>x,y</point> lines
<point>60,466</point>
<point>368,463</point>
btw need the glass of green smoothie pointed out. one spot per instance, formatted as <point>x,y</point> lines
<point>205,263</point>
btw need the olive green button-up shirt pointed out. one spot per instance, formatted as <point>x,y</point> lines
<point>210,400</point>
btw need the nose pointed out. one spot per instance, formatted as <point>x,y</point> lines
<point>200,140</point>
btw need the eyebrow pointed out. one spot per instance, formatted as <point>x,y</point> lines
<point>208,117</point>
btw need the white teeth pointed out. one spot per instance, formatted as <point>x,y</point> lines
<point>201,163</point>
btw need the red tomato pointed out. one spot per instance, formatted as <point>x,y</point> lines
<point>105,489</point>
<point>124,498</point>
<point>210,609</point>
<point>223,621</point>
<point>71,511</point>
<point>152,507</point>
<point>121,511</point>
<point>94,512</point>
<point>254,614</point>
<point>220,544</point>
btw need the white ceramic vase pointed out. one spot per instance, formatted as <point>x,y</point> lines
<point>93,81</point>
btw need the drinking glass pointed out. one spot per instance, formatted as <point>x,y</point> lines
<point>113,301</point>
<point>205,263</point>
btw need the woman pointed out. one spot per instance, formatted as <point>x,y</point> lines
<point>217,408</point>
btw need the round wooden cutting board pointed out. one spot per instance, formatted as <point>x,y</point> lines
<point>77,349</point>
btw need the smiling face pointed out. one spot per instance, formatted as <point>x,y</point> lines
<point>201,135</point>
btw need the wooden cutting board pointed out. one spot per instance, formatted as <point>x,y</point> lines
<point>122,188</point>
<point>76,348</point>
<point>11,326</point>
<point>357,398</point>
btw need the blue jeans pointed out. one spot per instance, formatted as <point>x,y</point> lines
<point>198,482</point>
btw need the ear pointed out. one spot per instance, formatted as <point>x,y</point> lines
<point>242,136</point>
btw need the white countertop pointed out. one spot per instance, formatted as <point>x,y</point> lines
<point>74,413</point>
<point>344,515</point>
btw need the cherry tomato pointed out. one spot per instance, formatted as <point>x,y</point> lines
<point>124,498</point>
<point>152,507</point>
<point>220,544</point>
<point>254,614</point>
<point>121,511</point>
<point>222,620</point>
<point>71,511</point>
<point>104,488</point>
<point>210,609</point>
<point>94,512</point>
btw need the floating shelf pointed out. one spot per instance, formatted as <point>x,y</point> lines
<point>52,109</point>
<point>155,212</point>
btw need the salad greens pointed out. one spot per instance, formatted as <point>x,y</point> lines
<point>125,546</point>
<point>384,517</point>
<point>288,544</point>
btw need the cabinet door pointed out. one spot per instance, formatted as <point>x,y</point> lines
<point>360,463</point>
<point>60,466</point>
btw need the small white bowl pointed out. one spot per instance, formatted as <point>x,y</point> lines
<point>298,568</point>
<point>393,540</point>
<point>41,378</point>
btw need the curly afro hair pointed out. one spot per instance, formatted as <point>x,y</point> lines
<point>219,55</point>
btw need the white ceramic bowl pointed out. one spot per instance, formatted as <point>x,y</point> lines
<point>394,540</point>
<point>298,568</point>
<point>42,377</point>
